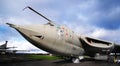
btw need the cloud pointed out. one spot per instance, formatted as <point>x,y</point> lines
<point>110,35</point>
<point>99,33</point>
<point>115,12</point>
<point>94,13</point>
<point>106,15</point>
<point>20,21</point>
<point>109,20</point>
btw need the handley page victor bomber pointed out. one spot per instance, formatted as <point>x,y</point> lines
<point>62,41</point>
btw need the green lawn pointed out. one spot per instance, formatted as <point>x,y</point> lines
<point>43,57</point>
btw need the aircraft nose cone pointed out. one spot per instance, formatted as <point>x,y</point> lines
<point>28,30</point>
<point>20,29</point>
<point>31,33</point>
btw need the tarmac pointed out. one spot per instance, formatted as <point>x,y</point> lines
<point>18,61</point>
<point>56,63</point>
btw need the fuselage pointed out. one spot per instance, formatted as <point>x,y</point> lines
<point>54,39</point>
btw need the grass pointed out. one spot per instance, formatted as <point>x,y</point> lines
<point>43,57</point>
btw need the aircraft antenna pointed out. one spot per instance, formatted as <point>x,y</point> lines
<point>37,13</point>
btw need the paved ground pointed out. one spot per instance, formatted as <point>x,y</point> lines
<point>22,61</point>
<point>56,63</point>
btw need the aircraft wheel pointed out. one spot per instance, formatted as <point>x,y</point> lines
<point>75,60</point>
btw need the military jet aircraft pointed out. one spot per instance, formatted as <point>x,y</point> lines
<point>62,41</point>
<point>7,50</point>
<point>4,49</point>
<point>4,46</point>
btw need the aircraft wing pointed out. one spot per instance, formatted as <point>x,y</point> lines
<point>12,51</point>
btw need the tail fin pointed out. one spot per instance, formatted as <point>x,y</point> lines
<point>4,46</point>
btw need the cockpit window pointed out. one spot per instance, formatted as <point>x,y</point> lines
<point>40,36</point>
<point>49,23</point>
<point>52,24</point>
